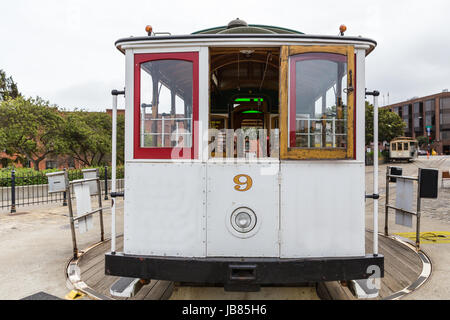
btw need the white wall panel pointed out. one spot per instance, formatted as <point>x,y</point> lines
<point>322,209</point>
<point>223,199</point>
<point>165,209</point>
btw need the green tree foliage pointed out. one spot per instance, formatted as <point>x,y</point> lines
<point>88,136</point>
<point>422,140</point>
<point>390,125</point>
<point>31,128</point>
<point>120,139</point>
<point>8,88</point>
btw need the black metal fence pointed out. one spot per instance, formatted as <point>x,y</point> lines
<point>20,189</point>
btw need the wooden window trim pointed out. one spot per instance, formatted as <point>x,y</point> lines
<point>315,153</point>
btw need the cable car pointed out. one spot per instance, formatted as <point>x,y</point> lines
<point>403,149</point>
<point>244,158</point>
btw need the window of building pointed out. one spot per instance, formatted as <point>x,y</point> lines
<point>405,110</point>
<point>445,135</point>
<point>445,104</point>
<point>429,113</point>
<point>51,164</point>
<point>429,106</point>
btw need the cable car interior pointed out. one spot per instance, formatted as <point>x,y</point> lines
<point>244,85</point>
<point>244,94</point>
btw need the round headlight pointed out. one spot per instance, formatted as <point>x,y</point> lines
<point>243,220</point>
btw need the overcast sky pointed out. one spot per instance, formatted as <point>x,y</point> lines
<point>63,50</point>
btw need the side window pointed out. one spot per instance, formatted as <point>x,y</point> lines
<point>317,103</point>
<point>166,105</point>
<point>394,146</point>
<point>318,108</point>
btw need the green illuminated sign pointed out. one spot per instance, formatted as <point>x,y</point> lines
<point>249,99</point>
<point>252,111</point>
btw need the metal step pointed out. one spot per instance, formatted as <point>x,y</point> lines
<point>361,290</point>
<point>126,287</point>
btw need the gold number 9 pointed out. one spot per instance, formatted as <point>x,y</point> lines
<point>244,185</point>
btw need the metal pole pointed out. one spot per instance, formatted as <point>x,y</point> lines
<point>13,191</point>
<point>418,212</point>
<point>162,130</point>
<point>386,217</point>
<point>64,194</point>
<point>99,193</point>
<point>113,173</point>
<point>72,222</point>
<point>375,174</point>
<point>106,183</point>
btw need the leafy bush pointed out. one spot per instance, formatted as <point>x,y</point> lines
<point>29,176</point>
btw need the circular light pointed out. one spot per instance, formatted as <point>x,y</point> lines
<point>243,220</point>
<point>148,29</point>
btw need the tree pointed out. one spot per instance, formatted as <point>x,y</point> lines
<point>88,136</point>
<point>120,139</point>
<point>390,125</point>
<point>422,141</point>
<point>8,88</point>
<point>31,128</point>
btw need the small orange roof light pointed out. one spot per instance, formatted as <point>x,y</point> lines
<point>342,29</point>
<point>149,29</point>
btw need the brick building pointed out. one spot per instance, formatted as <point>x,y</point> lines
<point>427,116</point>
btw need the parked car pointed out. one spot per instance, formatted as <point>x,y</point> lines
<point>422,152</point>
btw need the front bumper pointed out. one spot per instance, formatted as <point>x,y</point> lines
<point>253,271</point>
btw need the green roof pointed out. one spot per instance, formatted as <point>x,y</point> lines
<point>252,28</point>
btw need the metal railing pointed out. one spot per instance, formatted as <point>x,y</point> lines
<point>388,206</point>
<point>427,188</point>
<point>21,189</point>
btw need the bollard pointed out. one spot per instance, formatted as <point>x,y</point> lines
<point>64,195</point>
<point>13,191</point>
<point>106,183</point>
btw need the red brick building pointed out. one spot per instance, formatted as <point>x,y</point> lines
<point>427,116</point>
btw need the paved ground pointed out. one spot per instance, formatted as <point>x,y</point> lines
<point>35,246</point>
<point>435,217</point>
<point>35,243</point>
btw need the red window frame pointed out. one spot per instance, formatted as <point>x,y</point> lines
<point>165,153</point>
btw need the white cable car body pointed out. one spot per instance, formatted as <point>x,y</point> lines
<point>210,197</point>
<point>403,149</point>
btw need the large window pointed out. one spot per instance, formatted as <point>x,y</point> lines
<point>429,113</point>
<point>320,108</point>
<point>166,105</point>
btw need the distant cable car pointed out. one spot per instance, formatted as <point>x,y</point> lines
<point>244,158</point>
<point>403,149</point>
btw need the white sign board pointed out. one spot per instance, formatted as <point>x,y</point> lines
<point>405,200</point>
<point>91,174</point>
<point>83,199</point>
<point>56,182</point>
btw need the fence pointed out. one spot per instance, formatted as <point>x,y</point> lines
<point>20,189</point>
